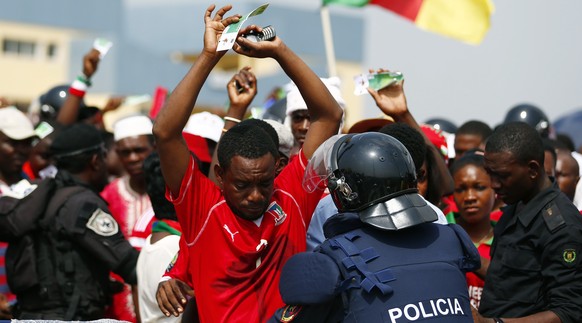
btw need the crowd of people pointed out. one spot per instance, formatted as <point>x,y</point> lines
<point>204,218</point>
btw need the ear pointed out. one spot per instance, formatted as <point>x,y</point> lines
<point>219,174</point>
<point>534,169</point>
<point>280,164</point>
<point>96,162</point>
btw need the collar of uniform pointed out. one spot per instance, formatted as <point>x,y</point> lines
<point>535,205</point>
<point>341,223</point>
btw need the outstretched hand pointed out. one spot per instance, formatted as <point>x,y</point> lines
<point>215,26</point>
<point>261,49</point>
<point>391,99</point>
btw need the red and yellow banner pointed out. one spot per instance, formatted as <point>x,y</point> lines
<point>465,20</point>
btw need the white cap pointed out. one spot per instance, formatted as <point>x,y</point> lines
<point>15,124</point>
<point>205,124</point>
<point>132,126</point>
<point>295,100</point>
<point>286,140</point>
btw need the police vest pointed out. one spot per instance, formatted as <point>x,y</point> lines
<point>411,275</point>
<point>35,250</point>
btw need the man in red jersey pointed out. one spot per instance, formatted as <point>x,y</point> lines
<point>240,233</point>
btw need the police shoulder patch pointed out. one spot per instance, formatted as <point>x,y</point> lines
<point>102,223</point>
<point>553,217</point>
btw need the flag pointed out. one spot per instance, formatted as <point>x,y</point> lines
<point>465,20</point>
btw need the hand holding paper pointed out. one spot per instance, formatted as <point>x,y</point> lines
<point>228,37</point>
<point>375,81</point>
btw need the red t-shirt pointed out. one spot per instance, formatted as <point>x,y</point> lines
<point>234,264</point>
<point>474,283</point>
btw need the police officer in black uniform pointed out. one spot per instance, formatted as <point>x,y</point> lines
<point>383,260</point>
<point>535,273</point>
<point>81,242</point>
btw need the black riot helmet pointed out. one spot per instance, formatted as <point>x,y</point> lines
<point>531,115</point>
<point>373,175</point>
<point>52,101</point>
<point>442,125</point>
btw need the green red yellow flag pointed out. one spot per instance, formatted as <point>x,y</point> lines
<point>465,20</point>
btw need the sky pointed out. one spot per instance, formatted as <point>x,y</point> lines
<point>532,53</point>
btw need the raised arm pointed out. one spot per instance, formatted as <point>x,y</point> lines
<point>174,154</point>
<point>392,101</point>
<point>69,112</point>
<point>324,111</point>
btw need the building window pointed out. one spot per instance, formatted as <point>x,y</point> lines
<point>51,51</point>
<point>18,47</point>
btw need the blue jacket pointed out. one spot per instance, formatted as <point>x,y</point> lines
<point>363,274</point>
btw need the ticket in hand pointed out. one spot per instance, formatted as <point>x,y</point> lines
<point>375,81</point>
<point>102,45</point>
<point>229,35</point>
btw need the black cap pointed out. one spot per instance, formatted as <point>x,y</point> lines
<point>76,139</point>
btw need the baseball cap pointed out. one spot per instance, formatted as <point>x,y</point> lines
<point>438,139</point>
<point>198,146</point>
<point>367,125</point>
<point>77,139</point>
<point>132,126</point>
<point>15,125</point>
<point>206,125</point>
<point>295,100</point>
<point>286,140</point>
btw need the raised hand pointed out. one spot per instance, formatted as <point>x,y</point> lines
<point>391,99</point>
<point>262,49</point>
<point>90,63</point>
<point>242,89</point>
<point>215,26</point>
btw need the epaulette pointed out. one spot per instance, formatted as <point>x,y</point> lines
<point>553,217</point>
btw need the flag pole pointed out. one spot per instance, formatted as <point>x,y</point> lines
<point>328,41</point>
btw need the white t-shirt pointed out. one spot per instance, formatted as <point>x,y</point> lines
<point>151,265</point>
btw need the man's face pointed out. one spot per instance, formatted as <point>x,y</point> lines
<point>132,151</point>
<point>101,174</point>
<point>299,125</point>
<point>247,185</point>
<point>13,154</point>
<point>39,157</point>
<point>567,174</point>
<point>466,142</point>
<point>511,180</point>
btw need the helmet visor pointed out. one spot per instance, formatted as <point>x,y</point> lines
<point>319,169</point>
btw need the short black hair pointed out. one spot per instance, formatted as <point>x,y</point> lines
<point>247,141</point>
<point>518,138</point>
<point>263,125</point>
<point>475,127</point>
<point>410,138</point>
<point>156,188</point>
<point>475,159</point>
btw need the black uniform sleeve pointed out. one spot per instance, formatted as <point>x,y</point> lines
<point>88,222</point>
<point>562,270</point>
